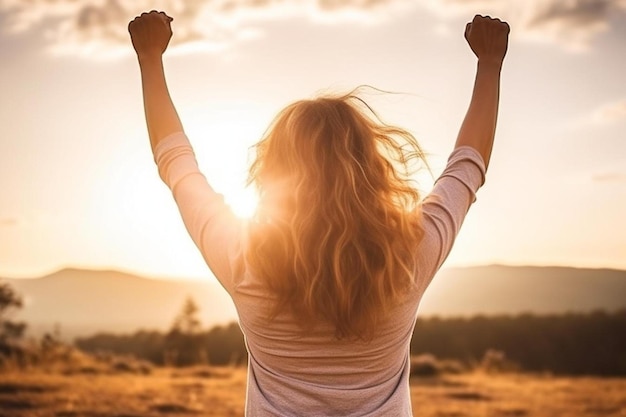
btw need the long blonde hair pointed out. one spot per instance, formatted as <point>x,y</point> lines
<point>337,226</point>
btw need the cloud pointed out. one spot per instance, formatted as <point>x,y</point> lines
<point>610,177</point>
<point>572,24</point>
<point>8,221</point>
<point>610,112</point>
<point>94,27</point>
<point>602,116</point>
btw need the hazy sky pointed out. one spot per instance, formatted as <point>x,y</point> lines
<point>78,186</point>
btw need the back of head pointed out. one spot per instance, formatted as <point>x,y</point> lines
<point>336,229</point>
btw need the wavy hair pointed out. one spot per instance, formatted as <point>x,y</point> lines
<point>337,226</point>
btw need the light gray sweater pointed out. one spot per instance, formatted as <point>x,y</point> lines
<point>291,374</point>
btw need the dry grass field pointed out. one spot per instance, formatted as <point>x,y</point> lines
<point>205,391</point>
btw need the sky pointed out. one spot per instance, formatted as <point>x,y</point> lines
<point>79,188</point>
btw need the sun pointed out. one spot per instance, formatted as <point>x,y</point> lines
<point>243,201</point>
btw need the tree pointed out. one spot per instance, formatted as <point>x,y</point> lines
<point>10,331</point>
<point>187,321</point>
<point>183,343</point>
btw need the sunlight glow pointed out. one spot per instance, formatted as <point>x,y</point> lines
<point>243,202</point>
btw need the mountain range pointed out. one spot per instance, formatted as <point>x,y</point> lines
<point>82,302</point>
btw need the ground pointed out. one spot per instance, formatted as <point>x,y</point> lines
<point>208,391</point>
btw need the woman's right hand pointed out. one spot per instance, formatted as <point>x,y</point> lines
<point>150,33</point>
<point>488,37</point>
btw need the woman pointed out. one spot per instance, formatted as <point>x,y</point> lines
<point>328,275</point>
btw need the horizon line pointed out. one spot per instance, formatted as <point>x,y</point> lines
<point>209,276</point>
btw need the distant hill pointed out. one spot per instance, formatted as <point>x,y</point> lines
<point>86,301</point>
<point>500,289</point>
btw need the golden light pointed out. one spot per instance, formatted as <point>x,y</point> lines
<point>221,137</point>
<point>243,202</point>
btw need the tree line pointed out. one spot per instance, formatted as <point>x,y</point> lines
<point>572,344</point>
<point>569,344</point>
<point>184,344</point>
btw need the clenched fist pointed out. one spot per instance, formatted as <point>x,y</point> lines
<point>488,38</point>
<point>150,33</point>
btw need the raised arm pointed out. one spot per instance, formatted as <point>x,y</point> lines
<point>488,38</point>
<point>150,34</point>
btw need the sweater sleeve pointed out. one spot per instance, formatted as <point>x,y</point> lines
<point>446,206</point>
<point>208,219</point>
